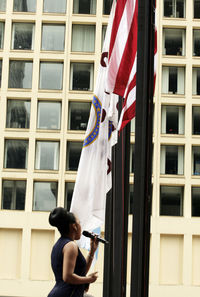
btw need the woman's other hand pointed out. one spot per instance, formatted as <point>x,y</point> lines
<point>93,277</point>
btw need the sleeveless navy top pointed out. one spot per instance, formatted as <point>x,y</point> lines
<point>61,288</point>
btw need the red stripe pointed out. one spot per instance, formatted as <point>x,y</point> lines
<point>130,87</point>
<point>128,57</point>
<point>155,43</point>
<point>128,115</point>
<point>117,18</point>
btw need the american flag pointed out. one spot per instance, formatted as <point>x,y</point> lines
<point>122,59</point>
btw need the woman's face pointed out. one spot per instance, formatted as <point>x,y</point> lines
<point>77,229</point>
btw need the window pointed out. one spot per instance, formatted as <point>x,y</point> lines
<point>174,8</point>
<point>196,120</point>
<point>196,42</point>
<point>82,76</point>
<point>196,81</point>
<point>172,159</point>
<point>18,114</point>
<point>3,5</point>
<point>23,36</point>
<point>73,155</point>
<point>69,188</point>
<point>1,34</point>
<point>83,38</point>
<point>104,28</point>
<point>173,119</point>
<point>195,201</point>
<point>131,187</point>
<point>16,153</point>
<point>49,115</point>
<point>13,194</point>
<point>53,37</point>
<point>132,157</point>
<point>51,75</point>
<point>133,125</point>
<point>174,42</point>
<point>196,160</point>
<point>173,80</point>
<point>196,9</point>
<point>171,201</point>
<point>84,6</point>
<point>24,5</point>
<point>0,71</point>
<point>78,115</point>
<point>45,196</point>
<point>20,74</point>
<point>47,155</point>
<point>52,6</point>
<point>107,6</point>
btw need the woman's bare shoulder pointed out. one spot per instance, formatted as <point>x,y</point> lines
<point>70,247</point>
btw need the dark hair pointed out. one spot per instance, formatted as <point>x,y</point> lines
<point>60,218</point>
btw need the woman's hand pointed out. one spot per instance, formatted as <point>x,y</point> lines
<point>93,244</point>
<point>93,277</point>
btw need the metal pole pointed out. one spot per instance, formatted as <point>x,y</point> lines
<point>143,151</point>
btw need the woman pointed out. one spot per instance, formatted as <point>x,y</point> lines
<point>68,264</point>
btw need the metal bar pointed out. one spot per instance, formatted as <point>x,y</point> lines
<point>143,151</point>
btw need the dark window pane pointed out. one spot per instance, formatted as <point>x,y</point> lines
<point>172,122</point>
<point>20,74</point>
<point>18,114</point>
<point>173,80</point>
<point>84,6</point>
<point>171,161</point>
<point>107,4</point>
<point>174,8</point>
<point>82,75</point>
<point>14,193</point>
<point>16,153</point>
<point>78,115</point>
<point>196,160</point>
<point>196,120</point>
<point>196,9</point>
<point>196,202</point>
<point>22,38</point>
<point>196,42</point>
<point>171,201</point>
<point>73,155</point>
<point>174,41</point>
<point>24,5</point>
<point>69,188</point>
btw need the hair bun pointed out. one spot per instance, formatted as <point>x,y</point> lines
<point>56,216</point>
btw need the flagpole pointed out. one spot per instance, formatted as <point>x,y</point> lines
<point>116,226</point>
<point>143,151</point>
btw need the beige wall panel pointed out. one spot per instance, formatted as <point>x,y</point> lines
<point>196,260</point>
<point>40,262</point>
<point>171,259</point>
<point>10,253</point>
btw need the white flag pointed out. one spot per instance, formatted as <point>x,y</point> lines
<point>94,172</point>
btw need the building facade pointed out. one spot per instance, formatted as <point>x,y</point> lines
<point>49,57</point>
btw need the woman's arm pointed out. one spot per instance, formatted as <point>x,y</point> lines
<point>93,246</point>
<point>70,253</point>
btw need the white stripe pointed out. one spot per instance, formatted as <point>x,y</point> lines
<point>120,43</point>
